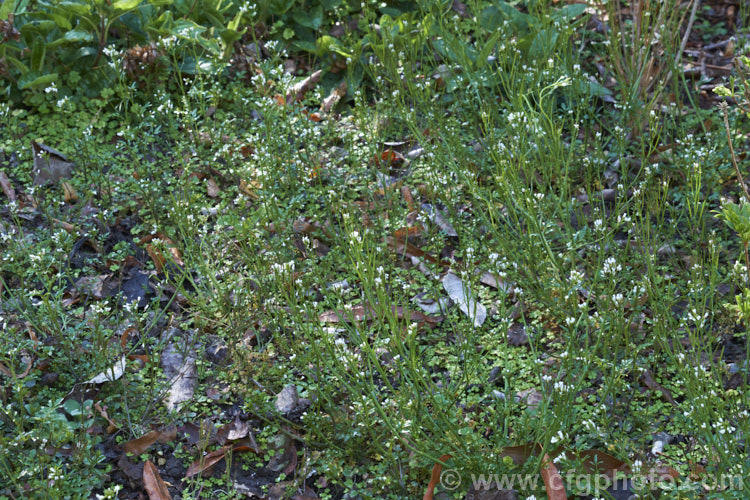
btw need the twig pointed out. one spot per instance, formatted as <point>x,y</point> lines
<point>683,44</point>
<point>724,106</point>
<point>687,33</point>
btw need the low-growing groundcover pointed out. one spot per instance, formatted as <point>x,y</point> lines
<point>311,259</point>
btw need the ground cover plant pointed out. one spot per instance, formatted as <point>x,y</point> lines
<point>384,250</point>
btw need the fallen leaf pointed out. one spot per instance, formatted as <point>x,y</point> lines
<point>143,443</point>
<point>212,189</point>
<point>437,470</point>
<point>110,375</point>
<point>402,247</point>
<point>50,165</point>
<point>10,193</point>
<point>496,282</point>
<point>178,364</point>
<point>408,232</point>
<point>463,297</point>
<point>156,257</point>
<point>361,312</point>
<point>103,412</point>
<point>233,431</point>
<point>92,286</point>
<point>598,462</point>
<point>437,218</point>
<point>153,483</point>
<point>207,462</point>
<point>297,92</point>
<point>553,481</point>
<point>70,193</point>
<point>333,98</point>
<point>648,379</point>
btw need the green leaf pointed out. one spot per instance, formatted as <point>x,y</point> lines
<point>73,36</point>
<point>312,19</point>
<point>193,66</point>
<point>229,36</point>
<point>277,7</point>
<point>187,30</point>
<point>125,5</point>
<point>489,46</point>
<point>75,8</point>
<point>38,51</point>
<point>18,64</point>
<point>60,21</point>
<point>571,11</point>
<point>38,27</point>
<point>7,7</point>
<point>32,80</point>
<point>543,45</point>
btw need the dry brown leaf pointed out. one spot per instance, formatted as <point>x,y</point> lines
<point>553,481</point>
<point>65,225</point>
<point>138,446</point>
<point>408,232</point>
<point>157,257</point>
<point>408,198</point>
<point>50,165</point>
<point>297,93</point>
<point>598,462</point>
<point>333,98</point>
<point>103,412</point>
<point>153,483</point>
<point>248,189</point>
<point>212,189</point>
<point>207,462</point>
<point>437,469</point>
<point>70,193</point>
<point>400,246</point>
<point>7,187</point>
<point>648,379</point>
<point>361,312</point>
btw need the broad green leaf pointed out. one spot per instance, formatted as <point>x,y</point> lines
<point>125,5</point>
<point>75,8</point>
<point>187,30</point>
<point>78,35</point>
<point>235,23</point>
<point>229,36</point>
<point>597,89</point>
<point>37,27</point>
<point>7,7</point>
<point>489,46</point>
<point>60,20</point>
<point>18,64</point>
<point>72,36</point>
<point>571,11</point>
<point>193,66</point>
<point>32,80</point>
<point>277,7</point>
<point>38,51</point>
<point>312,19</point>
<point>492,18</point>
<point>310,47</point>
<point>543,45</point>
